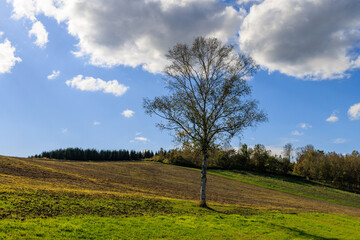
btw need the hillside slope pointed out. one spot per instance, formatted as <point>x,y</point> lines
<point>150,179</point>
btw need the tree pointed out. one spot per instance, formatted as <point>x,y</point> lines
<point>288,150</point>
<point>207,103</point>
<point>260,157</point>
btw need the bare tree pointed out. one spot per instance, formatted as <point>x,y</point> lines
<point>288,150</point>
<point>207,104</point>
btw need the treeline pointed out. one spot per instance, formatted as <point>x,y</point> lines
<point>336,169</point>
<point>79,154</point>
<point>257,159</point>
<point>341,171</point>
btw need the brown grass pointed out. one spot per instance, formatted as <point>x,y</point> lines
<point>151,179</point>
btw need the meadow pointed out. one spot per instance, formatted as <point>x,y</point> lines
<point>48,199</point>
<point>294,185</point>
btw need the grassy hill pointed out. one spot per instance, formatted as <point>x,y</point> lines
<point>137,200</point>
<point>294,185</point>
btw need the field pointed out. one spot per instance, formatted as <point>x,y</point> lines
<point>137,200</point>
<point>293,185</point>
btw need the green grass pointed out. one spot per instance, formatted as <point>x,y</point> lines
<point>213,226</point>
<point>27,204</point>
<point>293,185</point>
<point>43,214</point>
<point>53,200</point>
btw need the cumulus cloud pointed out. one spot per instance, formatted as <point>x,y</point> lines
<point>38,30</point>
<point>295,37</point>
<point>305,125</point>
<point>96,123</point>
<point>97,84</point>
<point>128,113</point>
<point>333,117</point>
<point>354,112</point>
<point>7,56</point>
<point>23,8</point>
<point>143,35</point>
<point>113,32</point>
<point>340,140</point>
<point>55,74</point>
<point>29,10</point>
<point>312,39</point>
<point>297,133</point>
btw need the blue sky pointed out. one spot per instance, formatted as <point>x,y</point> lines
<point>74,73</point>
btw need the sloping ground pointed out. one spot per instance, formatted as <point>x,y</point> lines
<point>294,185</point>
<point>151,180</point>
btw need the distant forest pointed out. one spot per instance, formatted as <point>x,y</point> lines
<point>342,171</point>
<point>79,154</point>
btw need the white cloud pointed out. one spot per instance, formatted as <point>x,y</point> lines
<point>38,30</point>
<point>128,113</point>
<point>275,150</point>
<point>7,56</point>
<point>31,8</point>
<point>54,75</point>
<point>340,140</point>
<point>333,117</point>
<point>305,126</point>
<point>113,32</point>
<point>296,37</point>
<point>97,84</point>
<point>247,2</point>
<point>96,123</point>
<point>121,33</point>
<point>356,63</point>
<point>354,112</point>
<point>312,39</point>
<point>23,9</point>
<point>297,133</point>
<point>142,139</point>
<point>64,130</point>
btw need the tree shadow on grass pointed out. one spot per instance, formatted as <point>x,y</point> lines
<point>302,233</point>
<point>287,178</point>
<point>246,212</point>
<point>234,210</point>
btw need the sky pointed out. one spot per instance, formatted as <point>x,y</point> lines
<point>74,73</point>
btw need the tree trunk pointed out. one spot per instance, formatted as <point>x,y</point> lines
<point>203,181</point>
